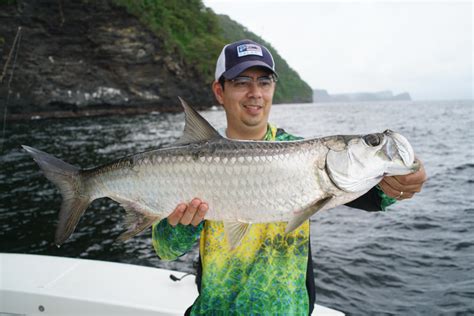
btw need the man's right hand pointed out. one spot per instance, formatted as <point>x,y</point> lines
<point>192,213</point>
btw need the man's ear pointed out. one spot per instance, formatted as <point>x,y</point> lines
<point>218,92</point>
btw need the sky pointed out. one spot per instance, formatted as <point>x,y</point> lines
<point>421,47</point>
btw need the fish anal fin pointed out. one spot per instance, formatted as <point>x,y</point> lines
<point>300,217</point>
<point>196,127</point>
<point>137,219</point>
<point>235,232</point>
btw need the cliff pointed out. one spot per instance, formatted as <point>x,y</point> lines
<point>107,56</point>
<point>90,55</point>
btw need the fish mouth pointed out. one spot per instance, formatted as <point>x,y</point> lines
<point>401,153</point>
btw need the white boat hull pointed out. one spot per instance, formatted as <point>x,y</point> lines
<point>45,285</point>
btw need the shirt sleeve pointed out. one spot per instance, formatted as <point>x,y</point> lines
<point>172,242</point>
<point>386,200</point>
<point>373,201</point>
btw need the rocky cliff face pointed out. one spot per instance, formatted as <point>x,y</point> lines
<point>90,55</point>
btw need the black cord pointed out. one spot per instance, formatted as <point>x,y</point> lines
<point>175,278</point>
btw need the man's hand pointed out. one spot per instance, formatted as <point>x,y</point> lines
<point>404,187</point>
<point>192,213</point>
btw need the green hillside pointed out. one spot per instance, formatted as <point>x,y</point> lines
<point>187,28</point>
<point>196,34</point>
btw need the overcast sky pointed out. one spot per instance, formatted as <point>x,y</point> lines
<point>424,48</point>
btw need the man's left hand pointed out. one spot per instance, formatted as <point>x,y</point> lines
<point>404,187</point>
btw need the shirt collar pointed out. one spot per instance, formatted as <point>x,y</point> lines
<point>270,135</point>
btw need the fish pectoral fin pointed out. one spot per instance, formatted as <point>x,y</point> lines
<point>235,232</point>
<point>137,219</point>
<point>196,128</point>
<point>300,217</point>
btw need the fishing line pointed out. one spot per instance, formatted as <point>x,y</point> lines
<point>16,43</point>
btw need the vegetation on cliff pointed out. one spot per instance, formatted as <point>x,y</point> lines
<point>187,28</point>
<point>7,2</point>
<point>197,35</point>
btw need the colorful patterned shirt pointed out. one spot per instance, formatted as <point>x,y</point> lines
<point>265,275</point>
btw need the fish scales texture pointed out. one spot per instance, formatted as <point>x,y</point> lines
<point>241,181</point>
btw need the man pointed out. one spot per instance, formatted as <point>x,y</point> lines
<point>270,272</point>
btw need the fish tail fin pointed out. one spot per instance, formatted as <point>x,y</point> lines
<point>69,182</point>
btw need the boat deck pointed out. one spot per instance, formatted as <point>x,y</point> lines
<point>45,285</point>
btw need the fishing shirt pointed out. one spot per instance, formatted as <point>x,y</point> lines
<point>269,273</point>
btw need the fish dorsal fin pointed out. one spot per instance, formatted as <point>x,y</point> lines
<point>196,127</point>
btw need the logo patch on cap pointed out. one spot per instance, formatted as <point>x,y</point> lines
<point>249,49</point>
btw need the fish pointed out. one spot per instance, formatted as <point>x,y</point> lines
<point>243,181</point>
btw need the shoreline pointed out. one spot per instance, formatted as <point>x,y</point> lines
<point>30,116</point>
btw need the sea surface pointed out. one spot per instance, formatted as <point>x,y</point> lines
<point>417,258</point>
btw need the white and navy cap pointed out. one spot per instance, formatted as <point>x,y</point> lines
<point>239,56</point>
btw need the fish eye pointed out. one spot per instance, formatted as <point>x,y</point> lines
<point>372,139</point>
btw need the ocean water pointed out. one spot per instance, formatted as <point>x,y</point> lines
<point>417,258</point>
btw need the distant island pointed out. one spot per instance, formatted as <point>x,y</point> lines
<point>320,95</point>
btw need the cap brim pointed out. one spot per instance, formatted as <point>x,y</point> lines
<point>238,69</point>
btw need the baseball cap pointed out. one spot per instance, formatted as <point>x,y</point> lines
<point>239,56</point>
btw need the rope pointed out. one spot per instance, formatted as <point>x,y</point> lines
<point>16,43</point>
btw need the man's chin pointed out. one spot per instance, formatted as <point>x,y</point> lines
<point>253,122</point>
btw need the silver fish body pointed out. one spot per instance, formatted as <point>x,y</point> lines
<point>250,182</point>
<point>243,182</point>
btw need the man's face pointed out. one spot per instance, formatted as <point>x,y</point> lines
<point>247,105</point>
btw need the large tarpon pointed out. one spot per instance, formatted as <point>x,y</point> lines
<point>243,182</point>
